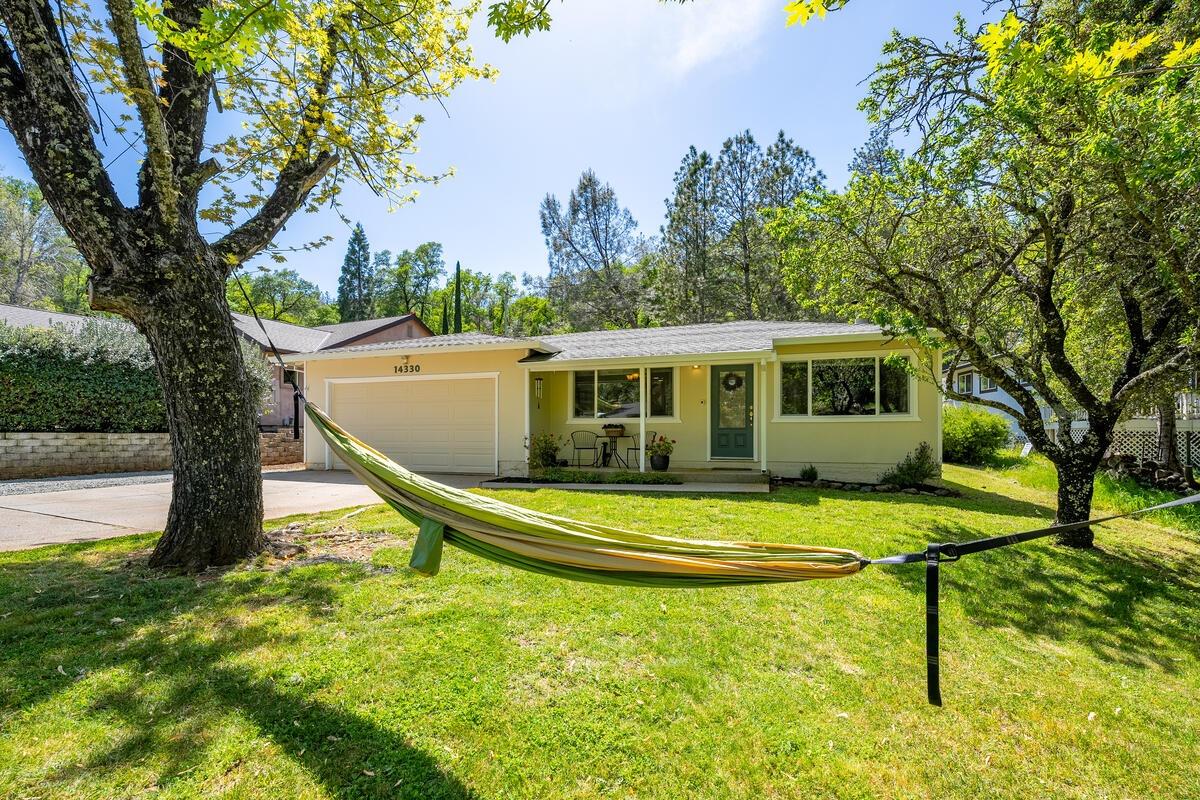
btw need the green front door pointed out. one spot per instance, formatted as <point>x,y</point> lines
<point>732,411</point>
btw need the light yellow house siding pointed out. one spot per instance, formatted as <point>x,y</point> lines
<point>840,448</point>
<point>510,376</point>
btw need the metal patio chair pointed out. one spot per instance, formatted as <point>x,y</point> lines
<point>585,442</point>
<point>631,453</point>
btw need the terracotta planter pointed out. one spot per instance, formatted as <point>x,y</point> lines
<point>659,463</point>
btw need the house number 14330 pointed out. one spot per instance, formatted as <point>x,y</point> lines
<point>401,369</point>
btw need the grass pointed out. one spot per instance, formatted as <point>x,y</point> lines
<point>1067,674</point>
<point>1111,494</point>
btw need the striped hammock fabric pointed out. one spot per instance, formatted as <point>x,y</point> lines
<point>567,548</point>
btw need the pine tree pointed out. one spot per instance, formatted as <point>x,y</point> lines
<point>356,284</point>
<point>445,316</point>
<point>457,297</point>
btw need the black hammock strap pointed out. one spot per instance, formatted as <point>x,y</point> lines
<point>937,553</point>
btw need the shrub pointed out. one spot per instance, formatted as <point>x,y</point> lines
<point>561,475</point>
<point>972,435</point>
<point>543,450</point>
<point>914,469</point>
<point>98,378</point>
<point>809,473</point>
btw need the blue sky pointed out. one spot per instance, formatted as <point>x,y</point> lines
<point>623,87</point>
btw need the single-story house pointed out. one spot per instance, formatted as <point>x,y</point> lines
<point>763,396</point>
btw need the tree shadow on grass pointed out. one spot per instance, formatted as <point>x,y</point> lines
<point>1130,609</point>
<point>169,683</point>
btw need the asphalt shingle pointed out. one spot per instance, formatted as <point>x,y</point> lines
<point>717,337</point>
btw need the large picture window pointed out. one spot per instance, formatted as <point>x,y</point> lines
<point>844,387</point>
<point>615,393</point>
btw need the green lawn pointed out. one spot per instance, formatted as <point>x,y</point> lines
<point>1068,674</point>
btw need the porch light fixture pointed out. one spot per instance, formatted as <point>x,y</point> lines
<point>537,390</point>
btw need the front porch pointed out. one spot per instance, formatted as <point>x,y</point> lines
<point>603,418</point>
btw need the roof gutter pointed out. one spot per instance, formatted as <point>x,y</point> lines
<point>385,352</point>
<point>664,360</point>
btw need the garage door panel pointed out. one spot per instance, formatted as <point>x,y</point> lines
<point>432,425</point>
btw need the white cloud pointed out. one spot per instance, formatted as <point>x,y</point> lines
<point>720,30</point>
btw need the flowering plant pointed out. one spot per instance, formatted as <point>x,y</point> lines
<point>661,446</point>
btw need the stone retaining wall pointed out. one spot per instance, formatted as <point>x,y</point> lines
<point>44,455</point>
<point>281,448</point>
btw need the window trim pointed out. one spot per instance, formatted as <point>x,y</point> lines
<point>909,416</point>
<point>969,374</point>
<point>983,388</point>
<point>574,420</point>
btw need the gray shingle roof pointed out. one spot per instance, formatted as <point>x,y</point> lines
<point>286,336</point>
<point>451,340</point>
<point>344,331</point>
<point>22,317</point>
<point>678,340</point>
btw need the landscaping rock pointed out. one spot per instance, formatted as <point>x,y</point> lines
<point>910,491</point>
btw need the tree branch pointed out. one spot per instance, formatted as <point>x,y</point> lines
<point>42,106</point>
<point>163,189</point>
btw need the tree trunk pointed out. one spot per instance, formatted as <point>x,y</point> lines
<point>1168,447</point>
<point>216,498</point>
<point>1076,480</point>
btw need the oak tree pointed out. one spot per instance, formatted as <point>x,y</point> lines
<point>313,94</point>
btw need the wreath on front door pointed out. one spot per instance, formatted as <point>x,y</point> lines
<point>732,381</point>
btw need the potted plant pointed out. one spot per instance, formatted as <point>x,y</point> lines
<point>660,451</point>
<point>613,429</point>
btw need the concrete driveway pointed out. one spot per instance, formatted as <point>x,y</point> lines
<point>67,514</point>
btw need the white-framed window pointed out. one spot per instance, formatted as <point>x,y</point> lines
<point>964,382</point>
<point>843,386</point>
<point>616,393</point>
<point>986,384</point>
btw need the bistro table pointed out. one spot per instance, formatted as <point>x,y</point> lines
<point>609,449</point>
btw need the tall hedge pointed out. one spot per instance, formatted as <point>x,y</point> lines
<point>98,378</point>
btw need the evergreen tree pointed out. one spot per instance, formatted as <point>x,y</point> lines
<point>457,297</point>
<point>356,284</point>
<point>445,316</point>
<point>689,287</point>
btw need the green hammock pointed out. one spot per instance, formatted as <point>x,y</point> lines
<point>563,547</point>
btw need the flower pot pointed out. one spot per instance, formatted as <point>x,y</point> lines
<point>659,463</point>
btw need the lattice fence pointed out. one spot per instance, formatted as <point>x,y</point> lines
<point>1144,444</point>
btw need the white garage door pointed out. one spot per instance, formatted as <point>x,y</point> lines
<point>433,425</point>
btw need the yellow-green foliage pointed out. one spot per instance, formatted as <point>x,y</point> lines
<point>971,435</point>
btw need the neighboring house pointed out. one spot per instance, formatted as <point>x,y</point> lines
<point>1133,434</point>
<point>967,380</point>
<point>287,337</point>
<point>751,396</point>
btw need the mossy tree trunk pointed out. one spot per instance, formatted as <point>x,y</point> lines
<point>216,497</point>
